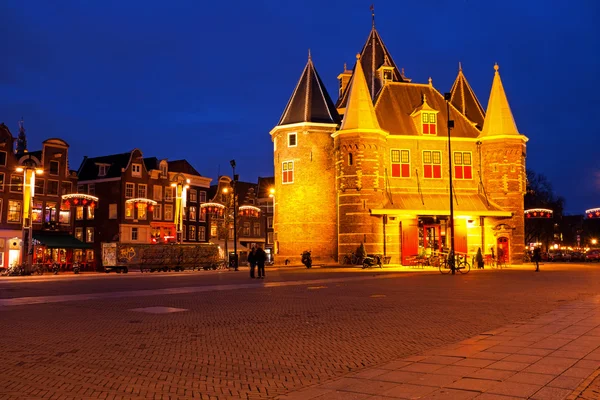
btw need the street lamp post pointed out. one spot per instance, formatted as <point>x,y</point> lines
<point>29,168</point>
<point>451,259</point>
<point>234,181</point>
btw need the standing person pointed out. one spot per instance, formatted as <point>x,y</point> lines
<point>260,257</point>
<point>252,261</point>
<point>537,256</point>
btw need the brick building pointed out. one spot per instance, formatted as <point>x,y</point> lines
<point>52,224</point>
<point>136,200</point>
<point>374,168</point>
<point>264,200</point>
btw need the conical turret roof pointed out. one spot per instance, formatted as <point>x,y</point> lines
<point>360,113</point>
<point>464,99</point>
<point>498,118</point>
<point>372,56</point>
<point>310,101</point>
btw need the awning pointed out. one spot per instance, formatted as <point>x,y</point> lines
<point>465,205</point>
<point>60,241</point>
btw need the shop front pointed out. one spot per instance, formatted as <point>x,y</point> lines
<point>163,232</point>
<point>63,249</point>
<point>418,226</point>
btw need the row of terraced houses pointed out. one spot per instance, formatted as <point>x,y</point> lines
<point>135,204</point>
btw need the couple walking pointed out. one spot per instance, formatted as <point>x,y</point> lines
<point>257,257</point>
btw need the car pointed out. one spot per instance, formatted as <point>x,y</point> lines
<point>592,255</point>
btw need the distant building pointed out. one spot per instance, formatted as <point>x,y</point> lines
<point>265,197</point>
<point>136,200</point>
<point>373,168</point>
<point>52,222</point>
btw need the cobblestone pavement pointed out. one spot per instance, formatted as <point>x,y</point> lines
<point>253,339</point>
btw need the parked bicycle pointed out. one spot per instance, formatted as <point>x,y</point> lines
<point>461,263</point>
<point>351,259</point>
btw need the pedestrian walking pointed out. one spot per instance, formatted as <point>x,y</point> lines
<point>252,261</point>
<point>537,256</point>
<point>260,257</point>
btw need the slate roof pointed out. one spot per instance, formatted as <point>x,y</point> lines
<point>88,170</point>
<point>398,100</point>
<point>310,101</point>
<point>151,163</point>
<point>182,166</point>
<point>464,99</point>
<point>372,56</point>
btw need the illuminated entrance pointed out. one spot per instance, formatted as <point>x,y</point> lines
<point>430,239</point>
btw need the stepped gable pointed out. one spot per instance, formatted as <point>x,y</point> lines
<point>398,100</point>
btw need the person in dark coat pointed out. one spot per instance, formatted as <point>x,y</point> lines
<point>537,257</point>
<point>252,261</point>
<point>260,257</point>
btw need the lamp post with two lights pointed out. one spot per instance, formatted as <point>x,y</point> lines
<point>30,169</point>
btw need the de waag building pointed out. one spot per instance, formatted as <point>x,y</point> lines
<point>374,167</point>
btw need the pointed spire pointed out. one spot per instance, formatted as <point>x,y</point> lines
<point>21,139</point>
<point>498,119</point>
<point>310,101</point>
<point>360,113</point>
<point>464,99</point>
<point>373,14</point>
<point>372,56</point>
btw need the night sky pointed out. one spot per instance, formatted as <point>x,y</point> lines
<point>207,81</point>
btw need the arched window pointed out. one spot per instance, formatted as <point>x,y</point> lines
<point>350,159</point>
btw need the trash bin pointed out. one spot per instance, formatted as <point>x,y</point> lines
<point>233,260</point>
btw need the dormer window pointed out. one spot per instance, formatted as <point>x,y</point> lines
<point>102,170</point>
<point>429,123</point>
<point>163,169</point>
<point>386,74</point>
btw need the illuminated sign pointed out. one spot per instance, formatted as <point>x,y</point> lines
<point>538,213</point>
<point>593,213</point>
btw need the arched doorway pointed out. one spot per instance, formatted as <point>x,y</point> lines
<point>502,249</point>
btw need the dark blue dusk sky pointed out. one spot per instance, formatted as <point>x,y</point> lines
<point>207,81</point>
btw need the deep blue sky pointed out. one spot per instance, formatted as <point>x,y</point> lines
<point>207,81</point>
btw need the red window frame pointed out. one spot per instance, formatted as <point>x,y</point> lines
<point>429,124</point>
<point>432,164</point>
<point>400,163</point>
<point>287,170</point>
<point>463,165</point>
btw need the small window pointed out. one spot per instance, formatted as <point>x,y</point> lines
<point>79,213</point>
<point>2,181</point>
<point>432,164</point>
<point>14,211</point>
<point>192,233</point>
<point>193,195</point>
<point>192,213</point>
<point>16,183</point>
<point>52,188</point>
<point>168,193</point>
<point>89,235</point>
<point>201,234</point>
<point>129,189</point>
<point>39,186</point>
<point>462,165</point>
<point>429,125</point>
<point>246,230</point>
<point>292,140</point>
<point>400,163</point>
<point>163,169</point>
<point>80,188</point>
<point>112,211</point>
<point>136,170</point>
<point>168,212</point>
<point>65,187</point>
<point>102,170</point>
<point>92,189</point>
<point>54,167</point>
<point>202,197</point>
<point>3,158</point>
<point>91,212</point>
<point>134,234</point>
<point>142,210</point>
<point>79,234</point>
<point>128,210</point>
<point>142,191</point>
<point>350,160</point>
<point>256,228</point>
<point>157,192</point>
<point>157,213</point>
<point>287,172</point>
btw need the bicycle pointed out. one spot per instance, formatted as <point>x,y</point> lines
<point>351,259</point>
<point>460,264</point>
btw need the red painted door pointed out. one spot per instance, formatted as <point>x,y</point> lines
<point>502,250</point>
<point>460,236</point>
<point>410,240</point>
